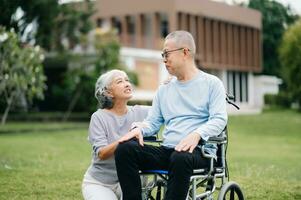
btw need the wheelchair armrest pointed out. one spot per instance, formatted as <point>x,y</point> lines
<point>152,139</point>
<point>209,156</point>
<point>217,139</point>
<point>206,155</point>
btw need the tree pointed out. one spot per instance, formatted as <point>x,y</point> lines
<point>275,19</point>
<point>86,68</point>
<point>51,23</point>
<point>289,52</point>
<point>21,71</point>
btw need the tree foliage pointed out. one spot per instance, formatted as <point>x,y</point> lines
<point>53,26</point>
<point>21,71</point>
<point>289,52</point>
<point>275,19</point>
<point>85,68</point>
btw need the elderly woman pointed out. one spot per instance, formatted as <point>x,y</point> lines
<point>112,90</point>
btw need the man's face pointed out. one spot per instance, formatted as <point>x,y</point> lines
<point>172,57</point>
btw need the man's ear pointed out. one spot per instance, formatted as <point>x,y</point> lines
<point>186,51</point>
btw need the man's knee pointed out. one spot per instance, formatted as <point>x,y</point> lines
<point>125,148</point>
<point>181,159</point>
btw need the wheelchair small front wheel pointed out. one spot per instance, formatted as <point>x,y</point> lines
<point>230,191</point>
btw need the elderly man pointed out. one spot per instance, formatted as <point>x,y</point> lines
<point>191,106</point>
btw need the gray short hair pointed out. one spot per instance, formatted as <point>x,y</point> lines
<point>101,87</point>
<point>183,39</point>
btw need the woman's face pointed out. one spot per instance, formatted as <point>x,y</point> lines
<point>120,88</point>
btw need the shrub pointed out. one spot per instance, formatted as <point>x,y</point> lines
<point>280,100</point>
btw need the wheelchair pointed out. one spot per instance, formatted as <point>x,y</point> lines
<point>203,182</point>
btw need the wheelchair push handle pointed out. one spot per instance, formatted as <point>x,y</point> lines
<point>230,100</point>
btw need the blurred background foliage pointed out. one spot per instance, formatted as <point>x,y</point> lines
<point>279,52</point>
<point>289,52</point>
<point>275,20</point>
<point>59,29</point>
<point>21,73</point>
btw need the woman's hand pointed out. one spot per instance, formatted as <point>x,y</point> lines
<point>135,132</point>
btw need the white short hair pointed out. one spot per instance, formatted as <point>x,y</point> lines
<point>182,39</point>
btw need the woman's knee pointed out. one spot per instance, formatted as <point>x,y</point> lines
<point>96,192</point>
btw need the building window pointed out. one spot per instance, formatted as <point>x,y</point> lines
<point>116,24</point>
<point>237,85</point>
<point>164,25</point>
<point>130,20</point>
<point>99,22</point>
<point>131,29</point>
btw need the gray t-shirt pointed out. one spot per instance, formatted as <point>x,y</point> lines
<point>105,128</point>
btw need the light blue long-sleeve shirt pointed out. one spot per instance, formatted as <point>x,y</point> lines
<point>197,105</point>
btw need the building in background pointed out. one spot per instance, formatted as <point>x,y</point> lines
<point>228,41</point>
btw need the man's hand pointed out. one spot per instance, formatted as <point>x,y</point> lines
<point>136,132</point>
<point>189,142</point>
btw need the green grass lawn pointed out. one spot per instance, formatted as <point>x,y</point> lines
<point>265,154</point>
<point>48,160</point>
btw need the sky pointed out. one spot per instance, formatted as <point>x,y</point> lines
<point>294,4</point>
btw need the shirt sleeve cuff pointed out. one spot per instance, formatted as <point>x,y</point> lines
<point>203,134</point>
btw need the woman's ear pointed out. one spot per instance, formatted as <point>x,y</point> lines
<point>108,93</point>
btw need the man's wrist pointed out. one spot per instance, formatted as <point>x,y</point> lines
<point>197,135</point>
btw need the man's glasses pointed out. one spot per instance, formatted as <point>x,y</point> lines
<point>164,54</point>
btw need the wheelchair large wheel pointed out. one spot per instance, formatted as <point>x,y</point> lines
<point>230,191</point>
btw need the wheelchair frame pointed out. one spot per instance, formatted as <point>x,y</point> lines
<point>201,178</point>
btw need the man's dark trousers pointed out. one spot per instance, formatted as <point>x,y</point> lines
<point>131,157</point>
